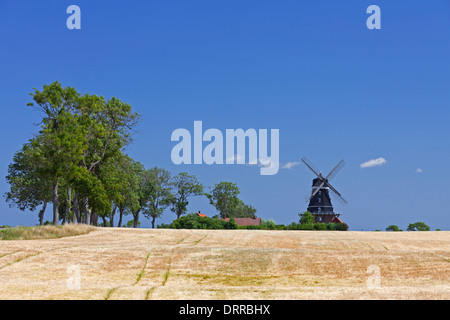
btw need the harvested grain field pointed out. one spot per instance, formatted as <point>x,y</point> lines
<point>113,263</point>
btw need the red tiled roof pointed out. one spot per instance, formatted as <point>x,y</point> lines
<point>337,220</point>
<point>246,221</point>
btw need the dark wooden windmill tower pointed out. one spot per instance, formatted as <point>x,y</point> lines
<point>320,201</point>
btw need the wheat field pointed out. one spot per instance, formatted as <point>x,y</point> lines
<point>114,263</point>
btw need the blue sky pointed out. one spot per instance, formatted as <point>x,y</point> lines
<point>312,69</point>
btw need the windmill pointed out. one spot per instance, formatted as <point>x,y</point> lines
<point>320,201</point>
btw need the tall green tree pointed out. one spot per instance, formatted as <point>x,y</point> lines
<point>108,125</point>
<point>143,192</point>
<point>130,170</point>
<point>244,211</point>
<point>224,197</point>
<point>160,196</point>
<point>59,145</point>
<point>185,186</point>
<point>28,189</point>
<point>79,134</point>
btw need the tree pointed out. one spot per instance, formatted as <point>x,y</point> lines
<point>78,135</point>
<point>27,188</point>
<point>307,220</point>
<point>224,197</point>
<point>59,144</point>
<point>160,196</point>
<point>116,176</point>
<point>185,186</point>
<point>79,131</point>
<point>393,227</point>
<point>418,226</point>
<point>244,211</point>
<point>130,192</point>
<point>107,125</point>
<point>143,192</point>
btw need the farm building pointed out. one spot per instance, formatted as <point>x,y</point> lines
<point>246,221</point>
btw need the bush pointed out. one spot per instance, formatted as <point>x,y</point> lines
<point>293,226</point>
<point>230,224</point>
<point>320,226</point>
<point>418,226</point>
<point>341,226</point>
<point>393,227</point>
<point>194,221</point>
<point>331,226</point>
<point>268,225</point>
<point>306,218</point>
<point>307,226</point>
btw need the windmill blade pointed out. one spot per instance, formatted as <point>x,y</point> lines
<point>337,193</point>
<point>335,170</point>
<point>310,165</point>
<point>317,190</point>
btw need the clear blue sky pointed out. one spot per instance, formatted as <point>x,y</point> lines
<point>312,69</point>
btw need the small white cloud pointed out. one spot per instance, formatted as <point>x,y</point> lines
<point>373,163</point>
<point>290,165</point>
<point>419,170</point>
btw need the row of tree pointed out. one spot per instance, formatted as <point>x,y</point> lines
<point>77,163</point>
<point>416,226</point>
<point>306,222</point>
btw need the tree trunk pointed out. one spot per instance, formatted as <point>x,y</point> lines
<point>87,211</point>
<point>153,222</point>
<point>121,209</point>
<point>105,224</point>
<point>111,216</point>
<point>55,202</point>
<point>76,210</point>
<point>69,201</point>
<point>41,213</point>
<point>94,219</point>
<point>136,218</point>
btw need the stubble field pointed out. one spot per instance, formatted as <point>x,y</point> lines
<point>113,263</point>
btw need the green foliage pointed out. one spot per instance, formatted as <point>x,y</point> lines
<point>194,221</point>
<point>78,137</point>
<point>185,186</point>
<point>160,195</point>
<point>320,226</point>
<point>131,224</point>
<point>231,224</point>
<point>28,189</point>
<point>88,185</point>
<point>331,226</point>
<point>224,197</point>
<point>393,227</point>
<point>244,211</point>
<point>418,226</point>
<point>306,218</point>
<point>341,227</point>
<point>268,224</point>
